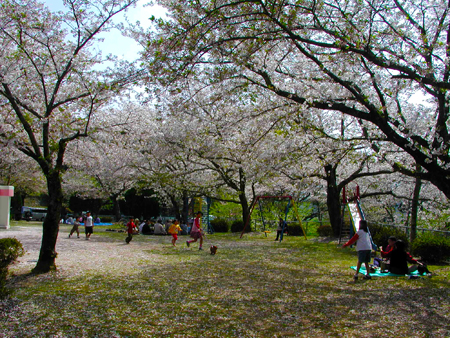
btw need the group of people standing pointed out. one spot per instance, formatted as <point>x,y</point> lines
<point>88,222</point>
<point>394,254</point>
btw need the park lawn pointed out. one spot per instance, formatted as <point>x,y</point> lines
<point>253,287</point>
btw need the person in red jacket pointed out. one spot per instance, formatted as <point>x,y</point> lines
<point>388,248</point>
<point>130,229</point>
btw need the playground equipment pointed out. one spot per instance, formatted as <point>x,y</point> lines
<point>353,205</point>
<point>291,204</point>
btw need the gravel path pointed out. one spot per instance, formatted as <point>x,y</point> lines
<point>80,254</point>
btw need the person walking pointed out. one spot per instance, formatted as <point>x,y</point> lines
<point>88,226</point>
<point>363,247</point>
<point>76,224</point>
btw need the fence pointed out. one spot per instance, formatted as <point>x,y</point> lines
<point>406,229</point>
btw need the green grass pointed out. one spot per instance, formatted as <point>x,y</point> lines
<point>253,287</point>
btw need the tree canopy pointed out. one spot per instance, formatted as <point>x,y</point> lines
<point>365,59</point>
<point>51,90</point>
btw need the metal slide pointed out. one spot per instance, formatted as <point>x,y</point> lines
<point>356,214</point>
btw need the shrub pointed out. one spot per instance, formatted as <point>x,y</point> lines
<point>107,219</point>
<point>220,225</point>
<point>325,231</point>
<point>295,229</point>
<point>380,234</point>
<point>431,248</point>
<point>10,250</point>
<point>238,226</point>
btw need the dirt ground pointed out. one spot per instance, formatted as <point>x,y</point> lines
<point>76,252</point>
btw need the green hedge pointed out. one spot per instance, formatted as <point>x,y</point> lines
<point>10,250</point>
<point>380,234</point>
<point>220,225</point>
<point>325,231</point>
<point>295,230</point>
<point>238,226</point>
<point>431,248</point>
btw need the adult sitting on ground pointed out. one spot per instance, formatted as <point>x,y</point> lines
<point>383,262</point>
<point>141,225</point>
<point>159,228</point>
<point>388,248</point>
<point>146,230</point>
<point>399,259</point>
<point>167,225</point>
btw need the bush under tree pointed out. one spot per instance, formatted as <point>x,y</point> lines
<point>431,248</point>
<point>238,226</point>
<point>295,229</point>
<point>10,250</point>
<point>325,231</point>
<point>380,234</point>
<point>220,225</point>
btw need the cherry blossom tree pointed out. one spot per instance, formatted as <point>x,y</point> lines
<point>20,171</point>
<point>365,59</point>
<point>106,164</point>
<point>214,143</point>
<point>51,90</point>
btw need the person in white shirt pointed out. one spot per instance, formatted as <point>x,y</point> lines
<point>141,226</point>
<point>363,247</point>
<point>88,226</point>
<point>159,228</point>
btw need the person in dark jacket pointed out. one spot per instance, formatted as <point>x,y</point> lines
<point>399,260</point>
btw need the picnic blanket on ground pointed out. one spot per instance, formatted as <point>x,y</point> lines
<point>378,273</point>
<point>98,224</point>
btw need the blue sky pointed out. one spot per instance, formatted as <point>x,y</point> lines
<point>114,42</point>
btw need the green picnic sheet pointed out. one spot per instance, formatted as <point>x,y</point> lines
<point>378,273</point>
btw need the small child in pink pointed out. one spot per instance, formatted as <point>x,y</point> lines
<point>196,231</point>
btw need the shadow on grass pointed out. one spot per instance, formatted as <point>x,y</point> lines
<point>251,288</point>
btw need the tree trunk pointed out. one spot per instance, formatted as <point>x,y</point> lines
<point>245,210</point>
<point>333,199</point>
<point>176,206</point>
<point>415,206</point>
<point>116,207</point>
<point>50,225</point>
<point>185,213</point>
<point>17,202</point>
<point>243,200</point>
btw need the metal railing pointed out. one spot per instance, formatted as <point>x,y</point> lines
<point>406,229</point>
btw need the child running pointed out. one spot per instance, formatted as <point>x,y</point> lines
<point>130,229</point>
<point>363,247</point>
<point>196,231</point>
<point>173,230</point>
<point>76,224</point>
